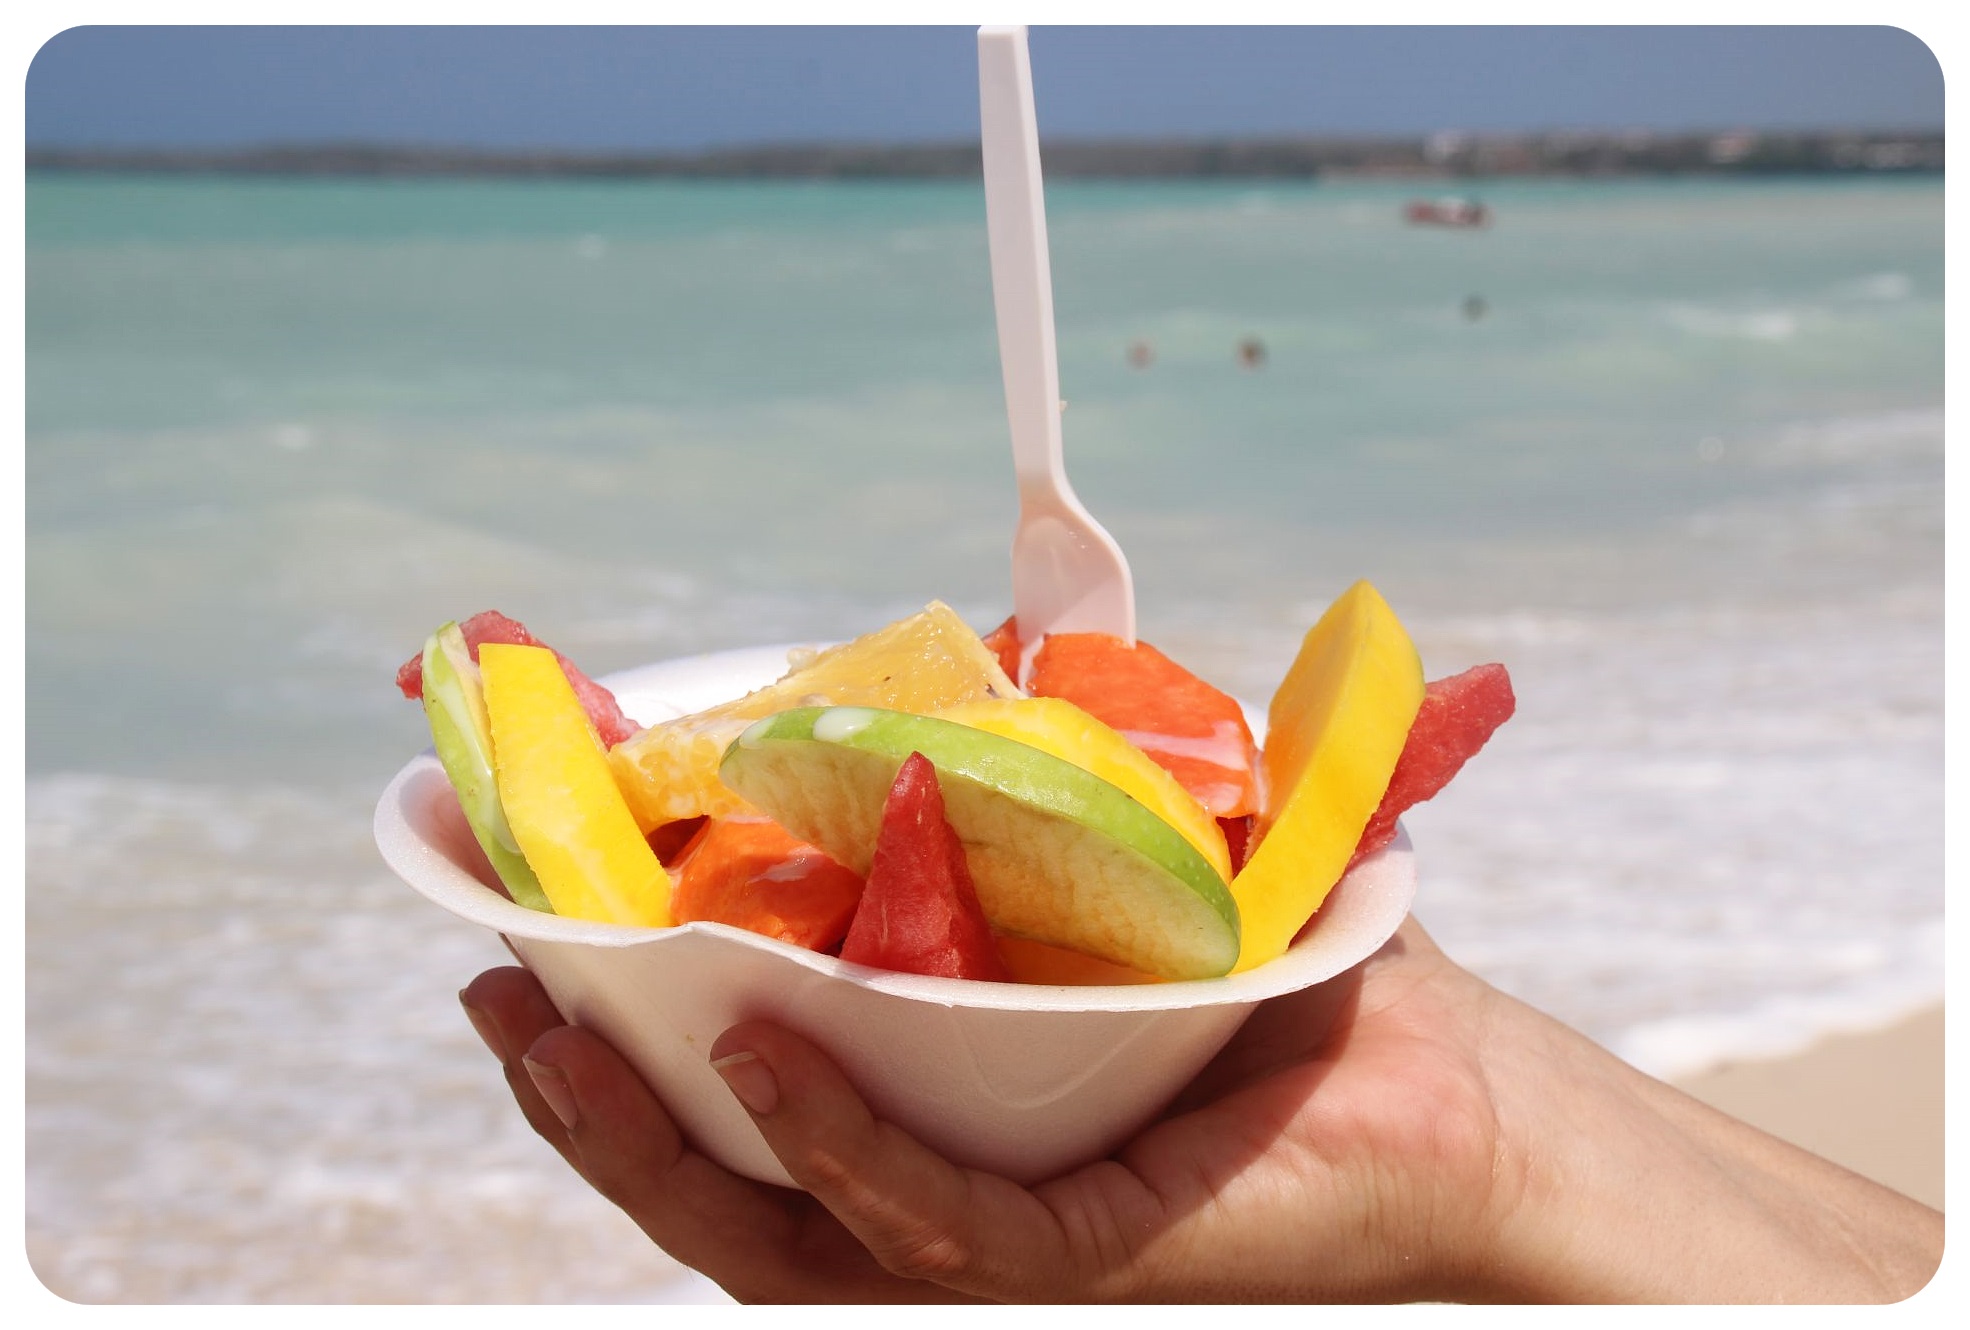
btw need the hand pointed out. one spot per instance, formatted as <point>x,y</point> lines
<point>1285,1171</point>
<point>1403,1132</point>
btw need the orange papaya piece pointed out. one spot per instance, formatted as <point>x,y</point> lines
<point>1192,730</point>
<point>750,873</point>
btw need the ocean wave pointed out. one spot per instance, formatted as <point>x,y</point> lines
<point>248,1078</point>
<point>1856,440</point>
<point>1877,286</point>
<point>1710,832</point>
<point>88,830</point>
<point>1757,325</point>
<point>1884,985</point>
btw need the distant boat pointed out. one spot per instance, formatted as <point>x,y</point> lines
<point>1446,212</point>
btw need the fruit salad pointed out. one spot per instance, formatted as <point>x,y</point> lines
<point>908,800</point>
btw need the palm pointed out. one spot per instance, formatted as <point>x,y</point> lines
<point>1322,1101</point>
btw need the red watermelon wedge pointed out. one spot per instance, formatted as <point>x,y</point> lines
<point>919,911</point>
<point>1459,714</point>
<point>492,626</point>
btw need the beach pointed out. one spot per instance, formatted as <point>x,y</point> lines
<point>1871,1102</point>
<point>1680,470</point>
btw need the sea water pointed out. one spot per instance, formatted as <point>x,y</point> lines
<point>1671,451</point>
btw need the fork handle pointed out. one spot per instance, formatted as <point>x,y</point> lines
<point>1022,280</point>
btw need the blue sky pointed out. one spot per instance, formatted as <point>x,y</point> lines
<point>680,88</point>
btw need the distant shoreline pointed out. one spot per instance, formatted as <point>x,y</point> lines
<point>1444,156</point>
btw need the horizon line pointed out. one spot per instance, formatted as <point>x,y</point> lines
<point>1441,154</point>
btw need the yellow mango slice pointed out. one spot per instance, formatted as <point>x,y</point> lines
<point>1333,733</point>
<point>1071,734</point>
<point>561,800</point>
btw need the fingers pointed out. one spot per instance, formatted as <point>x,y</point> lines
<point>510,1010</point>
<point>629,1149</point>
<point>760,1243</point>
<point>894,1210</point>
<point>920,1216</point>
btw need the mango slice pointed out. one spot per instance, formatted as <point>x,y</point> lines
<point>561,800</point>
<point>1056,726</point>
<point>1334,730</point>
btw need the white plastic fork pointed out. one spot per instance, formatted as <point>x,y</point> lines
<point>1068,574</point>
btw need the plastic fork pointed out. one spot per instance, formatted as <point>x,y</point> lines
<point>1068,574</point>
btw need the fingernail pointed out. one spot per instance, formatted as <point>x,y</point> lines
<point>552,1083</point>
<point>750,1079</point>
<point>483,1024</point>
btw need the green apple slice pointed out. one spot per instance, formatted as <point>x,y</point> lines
<point>1058,854</point>
<point>456,707</point>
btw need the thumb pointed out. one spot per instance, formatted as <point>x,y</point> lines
<point>919,1215</point>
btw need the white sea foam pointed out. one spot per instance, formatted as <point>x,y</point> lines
<point>1878,286</point>
<point>1708,833</point>
<point>1761,325</point>
<point>1879,437</point>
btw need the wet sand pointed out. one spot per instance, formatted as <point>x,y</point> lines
<point>1871,1102</point>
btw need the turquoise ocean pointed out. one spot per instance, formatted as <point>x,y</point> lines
<point>1672,451</point>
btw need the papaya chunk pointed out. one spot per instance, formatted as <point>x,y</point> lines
<point>1195,732</point>
<point>753,874</point>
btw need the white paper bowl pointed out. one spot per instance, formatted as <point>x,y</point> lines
<point>1023,1080</point>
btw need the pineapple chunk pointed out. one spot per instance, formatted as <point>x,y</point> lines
<point>921,664</point>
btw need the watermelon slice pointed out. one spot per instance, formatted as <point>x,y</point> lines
<point>491,626</point>
<point>919,911</point>
<point>750,873</point>
<point>1195,732</point>
<point>1459,714</point>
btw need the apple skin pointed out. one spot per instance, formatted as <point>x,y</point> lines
<point>1057,854</point>
<point>462,737</point>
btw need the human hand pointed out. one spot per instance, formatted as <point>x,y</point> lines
<point>1342,1146</point>
<point>1402,1132</point>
